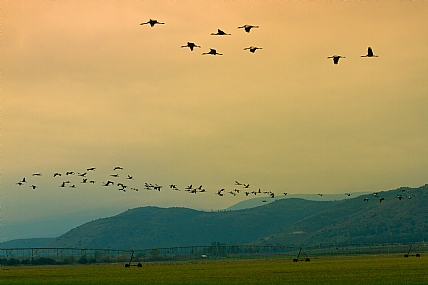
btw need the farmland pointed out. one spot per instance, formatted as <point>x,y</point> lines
<point>366,269</point>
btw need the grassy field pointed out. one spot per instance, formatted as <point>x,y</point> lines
<point>344,270</point>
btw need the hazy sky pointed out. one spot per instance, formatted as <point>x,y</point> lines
<point>83,84</point>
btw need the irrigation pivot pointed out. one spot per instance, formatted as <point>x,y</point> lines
<point>408,253</point>
<point>135,259</point>
<point>298,255</point>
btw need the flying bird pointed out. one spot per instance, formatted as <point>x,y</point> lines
<point>212,52</point>
<point>220,33</point>
<point>252,48</point>
<point>108,183</point>
<point>37,174</point>
<point>191,45</point>
<point>91,169</point>
<point>117,168</point>
<point>247,28</point>
<point>152,22</point>
<point>336,58</point>
<point>369,53</point>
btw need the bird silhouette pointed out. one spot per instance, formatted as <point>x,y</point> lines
<point>152,22</point>
<point>369,53</point>
<point>220,33</point>
<point>212,52</point>
<point>117,168</point>
<point>91,169</point>
<point>108,183</point>
<point>37,174</point>
<point>252,48</point>
<point>336,58</point>
<point>191,45</point>
<point>247,28</point>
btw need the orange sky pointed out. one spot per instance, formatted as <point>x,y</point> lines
<point>83,84</point>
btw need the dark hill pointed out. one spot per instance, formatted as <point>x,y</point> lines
<point>286,222</point>
<point>149,227</point>
<point>358,221</point>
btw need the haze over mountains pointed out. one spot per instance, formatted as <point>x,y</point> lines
<point>292,221</point>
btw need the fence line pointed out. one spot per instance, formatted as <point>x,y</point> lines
<point>38,256</point>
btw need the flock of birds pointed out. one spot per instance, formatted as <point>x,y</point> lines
<point>247,28</point>
<point>115,179</point>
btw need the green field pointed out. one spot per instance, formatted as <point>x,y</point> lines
<point>344,270</point>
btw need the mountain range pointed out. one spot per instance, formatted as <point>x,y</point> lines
<point>398,215</point>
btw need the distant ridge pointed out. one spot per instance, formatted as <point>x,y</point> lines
<point>255,202</point>
<point>292,221</point>
<point>26,243</point>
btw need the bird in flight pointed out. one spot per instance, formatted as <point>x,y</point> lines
<point>191,45</point>
<point>212,52</point>
<point>220,33</point>
<point>117,168</point>
<point>252,48</point>
<point>91,169</point>
<point>336,58</point>
<point>37,174</point>
<point>369,53</point>
<point>152,22</point>
<point>247,28</point>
